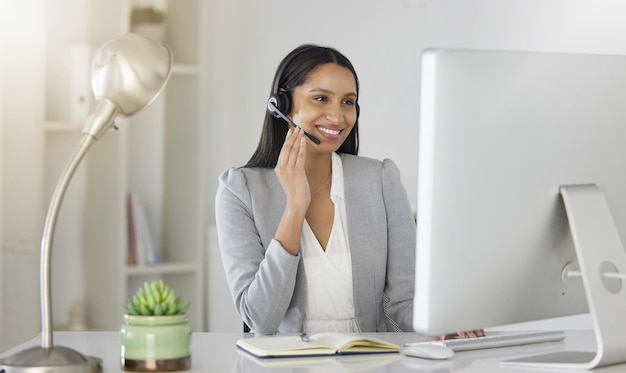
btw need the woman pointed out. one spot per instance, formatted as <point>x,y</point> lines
<point>313,237</point>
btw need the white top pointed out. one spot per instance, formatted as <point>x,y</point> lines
<point>329,297</point>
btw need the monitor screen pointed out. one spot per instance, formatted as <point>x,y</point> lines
<point>499,134</point>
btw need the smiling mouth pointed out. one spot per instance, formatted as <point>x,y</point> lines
<point>329,131</point>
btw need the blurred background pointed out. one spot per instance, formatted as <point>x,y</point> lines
<point>169,156</point>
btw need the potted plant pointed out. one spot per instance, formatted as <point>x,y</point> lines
<point>155,335</point>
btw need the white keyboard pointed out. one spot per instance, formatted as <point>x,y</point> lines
<point>501,339</point>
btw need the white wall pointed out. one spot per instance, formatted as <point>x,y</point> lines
<point>21,108</point>
<point>384,40</point>
<point>2,38</point>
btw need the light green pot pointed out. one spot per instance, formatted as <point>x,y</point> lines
<point>155,343</point>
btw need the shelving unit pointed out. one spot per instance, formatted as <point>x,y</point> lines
<point>157,154</point>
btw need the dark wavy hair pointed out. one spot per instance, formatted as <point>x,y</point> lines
<point>300,63</point>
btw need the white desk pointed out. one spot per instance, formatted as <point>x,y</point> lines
<point>216,352</point>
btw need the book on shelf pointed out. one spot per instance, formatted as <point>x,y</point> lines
<point>321,344</point>
<point>141,247</point>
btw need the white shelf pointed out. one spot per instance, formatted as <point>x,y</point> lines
<point>185,69</point>
<point>161,269</point>
<point>62,126</point>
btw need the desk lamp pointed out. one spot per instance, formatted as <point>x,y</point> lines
<point>127,74</point>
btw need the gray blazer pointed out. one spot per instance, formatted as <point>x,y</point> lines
<point>264,279</point>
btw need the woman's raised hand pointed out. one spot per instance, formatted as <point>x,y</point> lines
<point>292,177</point>
<point>290,169</point>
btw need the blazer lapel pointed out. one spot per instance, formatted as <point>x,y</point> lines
<point>360,224</point>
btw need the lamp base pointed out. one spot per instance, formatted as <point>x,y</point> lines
<point>56,359</point>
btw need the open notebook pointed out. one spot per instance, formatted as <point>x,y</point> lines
<point>322,344</point>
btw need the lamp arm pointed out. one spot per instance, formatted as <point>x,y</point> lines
<point>48,235</point>
<point>101,118</point>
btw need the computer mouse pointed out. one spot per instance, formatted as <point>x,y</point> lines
<point>429,350</point>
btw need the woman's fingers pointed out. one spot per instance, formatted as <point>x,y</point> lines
<point>301,151</point>
<point>292,147</point>
<point>464,334</point>
<point>290,166</point>
<point>284,151</point>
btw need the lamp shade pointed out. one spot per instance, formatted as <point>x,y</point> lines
<point>127,74</point>
<point>130,71</point>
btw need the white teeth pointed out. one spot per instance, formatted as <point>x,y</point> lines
<point>329,131</point>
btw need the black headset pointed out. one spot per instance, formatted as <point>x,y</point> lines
<point>279,103</point>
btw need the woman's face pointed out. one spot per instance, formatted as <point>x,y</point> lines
<point>325,105</point>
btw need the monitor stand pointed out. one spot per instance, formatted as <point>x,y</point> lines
<point>602,262</point>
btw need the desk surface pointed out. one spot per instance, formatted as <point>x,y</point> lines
<point>216,352</point>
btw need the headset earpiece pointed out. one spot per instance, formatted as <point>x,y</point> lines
<point>280,101</point>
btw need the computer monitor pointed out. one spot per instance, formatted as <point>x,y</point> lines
<point>522,155</point>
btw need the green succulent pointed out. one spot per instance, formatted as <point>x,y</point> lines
<point>156,299</point>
